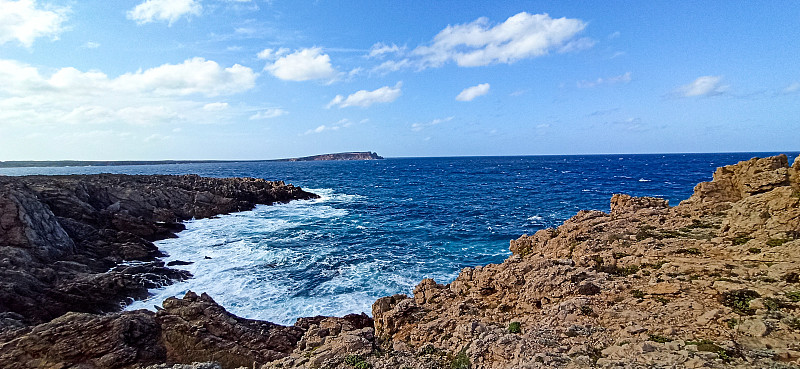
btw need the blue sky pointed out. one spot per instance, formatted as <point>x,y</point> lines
<point>239,79</point>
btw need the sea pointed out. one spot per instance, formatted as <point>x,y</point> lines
<point>382,226</point>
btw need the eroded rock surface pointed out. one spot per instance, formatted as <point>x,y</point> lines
<point>63,239</point>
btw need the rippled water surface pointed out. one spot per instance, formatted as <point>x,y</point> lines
<point>382,226</point>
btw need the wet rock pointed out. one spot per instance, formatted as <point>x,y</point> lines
<point>60,235</point>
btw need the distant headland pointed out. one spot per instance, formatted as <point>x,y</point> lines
<point>362,155</point>
<point>356,155</point>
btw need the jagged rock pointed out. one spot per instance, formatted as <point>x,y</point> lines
<point>62,236</point>
<point>195,328</point>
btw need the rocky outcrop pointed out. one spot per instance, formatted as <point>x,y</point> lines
<point>186,330</point>
<point>63,239</point>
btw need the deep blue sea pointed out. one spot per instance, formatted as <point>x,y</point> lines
<point>382,226</point>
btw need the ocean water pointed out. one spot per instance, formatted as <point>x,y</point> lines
<point>382,226</point>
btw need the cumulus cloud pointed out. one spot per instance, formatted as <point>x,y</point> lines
<point>470,93</point>
<point>622,78</point>
<point>480,43</point>
<point>420,126</point>
<point>164,10</point>
<point>24,21</point>
<point>196,75</point>
<point>269,113</point>
<point>152,96</point>
<point>703,86</point>
<point>301,65</point>
<point>91,45</point>
<point>364,98</point>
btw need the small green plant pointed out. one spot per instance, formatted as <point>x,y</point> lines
<point>659,339</point>
<point>662,300</point>
<point>792,277</point>
<point>754,250</point>
<point>741,240</point>
<point>429,350</point>
<point>461,361</point>
<point>776,241</point>
<point>586,310</point>
<point>356,361</point>
<point>619,271</point>
<point>709,346</point>
<point>689,251</point>
<point>514,327</point>
<point>793,296</point>
<point>732,323</point>
<point>739,300</point>
<point>637,294</point>
<point>772,304</point>
<point>620,255</point>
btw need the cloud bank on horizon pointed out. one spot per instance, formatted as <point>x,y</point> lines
<point>248,79</point>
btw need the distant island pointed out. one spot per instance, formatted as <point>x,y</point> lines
<point>358,155</point>
<point>362,155</point>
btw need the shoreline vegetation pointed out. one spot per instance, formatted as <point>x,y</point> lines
<point>712,282</point>
<point>355,155</point>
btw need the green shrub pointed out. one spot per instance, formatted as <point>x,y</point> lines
<point>689,251</point>
<point>355,360</point>
<point>659,339</point>
<point>637,294</point>
<point>793,296</point>
<point>739,300</point>
<point>776,242</point>
<point>741,240</point>
<point>754,250</point>
<point>461,361</point>
<point>514,327</point>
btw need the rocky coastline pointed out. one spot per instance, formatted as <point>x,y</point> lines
<point>712,282</point>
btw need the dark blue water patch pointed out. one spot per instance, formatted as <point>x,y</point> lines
<point>384,225</point>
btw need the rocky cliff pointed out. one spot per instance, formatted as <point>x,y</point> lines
<point>713,282</point>
<point>83,243</point>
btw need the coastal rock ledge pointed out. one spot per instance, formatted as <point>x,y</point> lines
<point>713,282</point>
<point>83,243</point>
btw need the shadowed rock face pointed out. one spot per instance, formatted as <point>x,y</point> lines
<point>186,330</point>
<point>63,238</point>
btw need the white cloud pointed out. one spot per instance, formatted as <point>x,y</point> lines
<point>420,126</point>
<point>342,123</point>
<point>31,97</point>
<point>24,21</point>
<point>703,86</point>
<point>271,54</point>
<point>269,113</point>
<point>521,36</point>
<point>380,49</point>
<point>364,98</point>
<point>91,45</point>
<point>470,93</point>
<point>164,10</point>
<point>301,65</point>
<point>216,106</point>
<point>196,75</point>
<point>622,78</point>
<point>792,88</point>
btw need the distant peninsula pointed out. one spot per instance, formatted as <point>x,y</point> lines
<point>357,155</point>
<point>362,155</point>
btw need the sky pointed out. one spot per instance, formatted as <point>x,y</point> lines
<point>258,79</point>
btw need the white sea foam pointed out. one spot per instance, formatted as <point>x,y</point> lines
<point>644,180</point>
